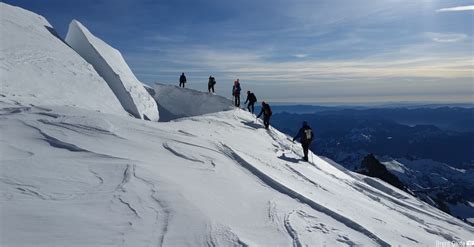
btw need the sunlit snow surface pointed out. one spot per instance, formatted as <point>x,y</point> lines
<point>90,175</point>
<point>77,177</point>
<point>110,64</point>
<point>37,67</point>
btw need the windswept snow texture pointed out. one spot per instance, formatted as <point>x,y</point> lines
<point>175,102</point>
<point>110,64</point>
<point>38,68</point>
<point>71,177</point>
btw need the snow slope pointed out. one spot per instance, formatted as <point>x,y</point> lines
<point>110,64</point>
<point>37,67</point>
<point>74,177</point>
<point>71,176</point>
<point>175,102</point>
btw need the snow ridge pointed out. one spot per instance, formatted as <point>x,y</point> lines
<point>110,64</point>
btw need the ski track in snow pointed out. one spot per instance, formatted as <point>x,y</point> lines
<point>291,231</point>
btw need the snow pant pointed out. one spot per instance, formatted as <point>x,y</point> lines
<point>210,88</point>
<point>237,100</point>
<point>250,106</point>
<point>305,145</point>
<point>181,83</point>
<point>266,121</point>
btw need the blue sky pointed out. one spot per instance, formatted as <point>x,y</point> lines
<point>337,51</point>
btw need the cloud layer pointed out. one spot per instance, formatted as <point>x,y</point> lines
<point>459,8</point>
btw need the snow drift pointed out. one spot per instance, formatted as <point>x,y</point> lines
<point>175,102</point>
<point>77,177</point>
<point>110,64</point>
<point>37,67</point>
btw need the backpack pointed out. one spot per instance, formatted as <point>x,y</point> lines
<point>307,134</point>
<point>267,110</point>
<point>252,98</point>
<point>237,88</point>
<point>213,82</point>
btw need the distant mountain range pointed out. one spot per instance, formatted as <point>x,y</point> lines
<point>433,147</point>
<point>444,134</point>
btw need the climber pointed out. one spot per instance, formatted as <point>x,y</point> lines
<point>251,99</point>
<point>306,137</point>
<point>267,113</point>
<point>236,92</point>
<point>211,83</point>
<point>182,80</point>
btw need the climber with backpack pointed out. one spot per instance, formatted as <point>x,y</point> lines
<point>211,83</point>
<point>306,137</point>
<point>236,92</point>
<point>267,113</point>
<point>251,99</point>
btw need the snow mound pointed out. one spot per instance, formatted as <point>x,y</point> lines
<point>110,64</point>
<point>175,102</point>
<point>38,68</point>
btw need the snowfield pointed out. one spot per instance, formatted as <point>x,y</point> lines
<point>77,176</point>
<point>37,67</point>
<point>110,64</point>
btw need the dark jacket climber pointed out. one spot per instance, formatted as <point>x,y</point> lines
<point>251,99</point>
<point>211,83</point>
<point>306,136</point>
<point>236,92</point>
<point>267,113</point>
<point>182,80</point>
